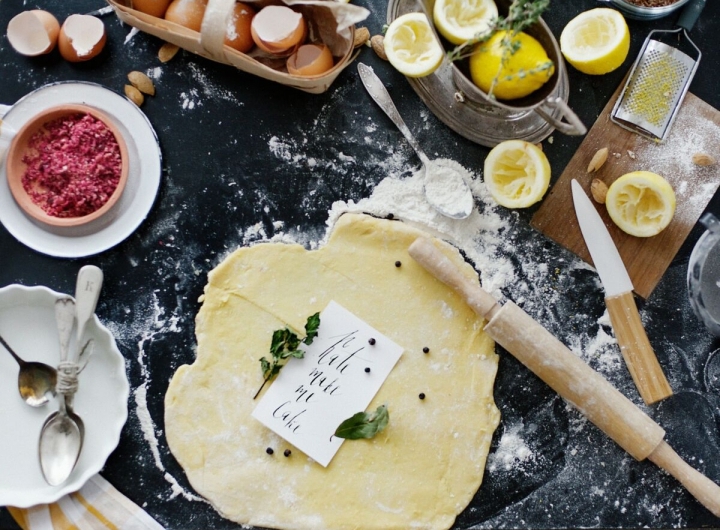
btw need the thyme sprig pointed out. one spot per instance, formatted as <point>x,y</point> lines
<point>521,15</point>
<point>283,346</point>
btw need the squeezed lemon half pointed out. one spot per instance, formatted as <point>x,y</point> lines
<point>641,203</point>
<point>517,173</point>
<point>596,41</point>
<point>411,46</point>
<point>515,75</point>
<point>460,20</point>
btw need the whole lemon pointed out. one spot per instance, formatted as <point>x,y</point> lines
<point>526,66</point>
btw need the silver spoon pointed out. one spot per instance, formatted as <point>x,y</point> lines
<point>36,380</point>
<point>61,438</point>
<point>445,188</point>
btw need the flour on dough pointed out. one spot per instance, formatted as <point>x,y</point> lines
<point>420,472</point>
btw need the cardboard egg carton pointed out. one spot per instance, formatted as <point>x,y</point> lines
<point>330,22</point>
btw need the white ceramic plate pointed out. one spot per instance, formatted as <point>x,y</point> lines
<point>27,323</point>
<point>137,198</point>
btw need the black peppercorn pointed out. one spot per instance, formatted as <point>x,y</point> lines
<point>367,369</point>
<point>371,341</point>
<point>390,216</point>
<point>287,452</point>
<point>422,395</point>
<point>269,450</point>
<point>398,263</point>
<point>426,350</point>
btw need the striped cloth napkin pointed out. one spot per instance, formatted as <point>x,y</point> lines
<point>97,506</point>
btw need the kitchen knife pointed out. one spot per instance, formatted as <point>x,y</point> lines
<point>568,375</point>
<point>632,339</point>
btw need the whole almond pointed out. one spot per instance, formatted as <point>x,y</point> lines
<point>134,95</point>
<point>167,51</point>
<point>142,82</point>
<point>377,43</point>
<point>598,160</point>
<point>599,190</point>
<point>362,35</point>
<point>701,159</point>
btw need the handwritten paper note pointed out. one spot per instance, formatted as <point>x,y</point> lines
<point>340,374</point>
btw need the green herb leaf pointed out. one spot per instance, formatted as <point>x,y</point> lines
<point>265,365</point>
<point>283,346</point>
<point>311,328</point>
<point>363,424</point>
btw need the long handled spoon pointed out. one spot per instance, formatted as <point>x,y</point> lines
<point>62,434</point>
<point>444,187</point>
<point>36,380</point>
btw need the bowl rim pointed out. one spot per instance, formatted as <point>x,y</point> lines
<point>15,168</point>
<point>650,10</point>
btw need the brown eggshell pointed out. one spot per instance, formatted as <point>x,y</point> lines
<point>188,13</point>
<point>239,34</point>
<point>33,32</point>
<point>81,38</point>
<point>310,59</point>
<point>278,30</point>
<point>155,8</point>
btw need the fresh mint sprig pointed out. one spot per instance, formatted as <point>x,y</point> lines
<point>284,345</point>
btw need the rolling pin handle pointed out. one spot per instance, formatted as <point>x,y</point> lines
<point>424,251</point>
<point>701,487</point>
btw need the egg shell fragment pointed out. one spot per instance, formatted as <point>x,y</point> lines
<point>310,59</point>
<point>82,37</point>
<point>278,29</point>
<point>32,33</point>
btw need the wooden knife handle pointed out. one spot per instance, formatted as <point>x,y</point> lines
<point>701,487</point>
<point>636,349</point>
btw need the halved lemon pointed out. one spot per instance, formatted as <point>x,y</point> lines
<point>517,173</point>
<point>596,41</point>
<point>411,46</point>
<point>641,203</point>
<point>460,20</point>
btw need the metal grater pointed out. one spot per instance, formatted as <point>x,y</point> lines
<point>658,81</point>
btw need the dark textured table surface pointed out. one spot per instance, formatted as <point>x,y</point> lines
<point>226,181</point>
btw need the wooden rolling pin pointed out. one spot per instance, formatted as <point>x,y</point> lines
<point>569,376</point>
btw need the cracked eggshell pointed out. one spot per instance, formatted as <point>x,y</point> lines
<point>33,32</point>
<point>310,59</point>
<point>81,38</point>
<point>278,29</point>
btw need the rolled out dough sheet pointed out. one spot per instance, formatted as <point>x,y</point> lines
<point>420,472</point>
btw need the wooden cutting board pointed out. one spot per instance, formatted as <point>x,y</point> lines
<point>696,130</point>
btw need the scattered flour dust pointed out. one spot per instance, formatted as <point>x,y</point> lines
<point>511,452</point>
<point>155,324</point>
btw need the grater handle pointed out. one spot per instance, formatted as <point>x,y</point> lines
<point>690,14</point>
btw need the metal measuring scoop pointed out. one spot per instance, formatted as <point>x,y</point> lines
<point>61,438</point>
<point>36,380</point>
<point>444,187</point>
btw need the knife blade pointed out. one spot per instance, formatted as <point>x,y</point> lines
<point>624,317</point>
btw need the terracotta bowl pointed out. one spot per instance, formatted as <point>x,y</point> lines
<point>16,168</point>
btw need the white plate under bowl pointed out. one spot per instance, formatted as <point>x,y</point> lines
<point>140,191</point>
<point>27,323</point>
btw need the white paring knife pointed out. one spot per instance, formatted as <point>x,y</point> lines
<point>629,331</point>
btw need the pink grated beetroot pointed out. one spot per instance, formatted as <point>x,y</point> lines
<point>73,166</point>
